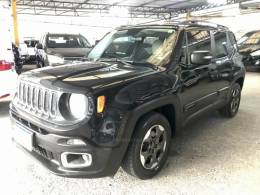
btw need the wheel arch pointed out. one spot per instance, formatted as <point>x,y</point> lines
<point>240,81</point>
<point>168,107</point>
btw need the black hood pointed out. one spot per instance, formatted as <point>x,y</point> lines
<point>69,52</point>
<point>89,74</point>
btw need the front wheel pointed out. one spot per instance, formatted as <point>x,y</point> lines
<point>39,64</point>
<point>149,147</point>
<point>231,109</point>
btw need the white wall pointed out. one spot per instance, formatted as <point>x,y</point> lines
<point>241,24</point>
<point>93,28</point>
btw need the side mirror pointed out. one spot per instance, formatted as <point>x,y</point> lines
<point>39,46</point>
<point>200,58</point>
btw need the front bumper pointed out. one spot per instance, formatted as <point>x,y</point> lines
<point>28,58</point>
<point>48,147</point>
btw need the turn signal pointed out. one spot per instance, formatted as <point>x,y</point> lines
<point>101,100</point>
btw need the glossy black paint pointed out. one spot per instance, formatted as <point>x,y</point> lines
<point>180,91</point>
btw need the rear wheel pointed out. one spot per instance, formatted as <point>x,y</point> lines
<point>149,147</point>
<point>231,109</point>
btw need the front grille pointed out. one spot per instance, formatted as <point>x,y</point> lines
<point>37,100</point>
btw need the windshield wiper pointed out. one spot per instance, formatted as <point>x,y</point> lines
<point>127,62</point>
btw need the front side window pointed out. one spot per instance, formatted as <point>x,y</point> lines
<point>220,44</point>
<point>138,45</point>
<point>197,40</point>
<point>66,41</point>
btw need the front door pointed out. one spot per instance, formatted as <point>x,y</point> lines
<point>197,91</point>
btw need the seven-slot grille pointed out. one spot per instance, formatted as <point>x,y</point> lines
<point>37,99</point>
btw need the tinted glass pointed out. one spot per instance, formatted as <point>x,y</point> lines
<point>143,46</point>
<point>232,45</point>
<point>198,40</point>
<point>220,44</point>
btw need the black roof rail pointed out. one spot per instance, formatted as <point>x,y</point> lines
<point>183,23</point>
<point>202,23</point>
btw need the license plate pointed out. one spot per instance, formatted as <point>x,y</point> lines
<point>23,137</point>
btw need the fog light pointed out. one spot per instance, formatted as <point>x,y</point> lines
<point>76,142</point>
<point>76,160</point>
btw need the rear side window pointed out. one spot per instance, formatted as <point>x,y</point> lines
<point>220,44</point>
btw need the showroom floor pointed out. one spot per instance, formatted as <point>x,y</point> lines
<point>212,156</point>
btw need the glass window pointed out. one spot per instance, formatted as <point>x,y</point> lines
<point>220,44</point>
<point>66,41</point>
<point>198,40</point>
<point>138,45</point>
<point>233,42</point>
<point>254,39</point>
<point>250,42</point>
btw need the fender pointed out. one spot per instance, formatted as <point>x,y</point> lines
<point>135,115</point>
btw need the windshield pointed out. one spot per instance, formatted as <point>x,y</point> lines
<point>31,43</point>
<point>66,41</point>
<point>138,45</point>
<point>252,39</point>
<point>250,42</point>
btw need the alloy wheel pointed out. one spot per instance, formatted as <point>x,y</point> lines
<point>235,100</point>
<point>153,147</point>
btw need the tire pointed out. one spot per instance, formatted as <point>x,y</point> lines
<point>151,140</point>
<point>232,107</point>
<point>40,64</point>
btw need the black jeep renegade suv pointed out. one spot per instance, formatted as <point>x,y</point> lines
<point>140,85</point>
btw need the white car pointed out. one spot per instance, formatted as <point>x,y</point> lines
<point>8,74</point>
<point>27,50</point>
<point>7,79</point>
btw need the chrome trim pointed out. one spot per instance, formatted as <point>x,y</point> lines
<point>69,165</point>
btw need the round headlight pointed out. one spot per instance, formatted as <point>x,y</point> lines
<point>78,105</point>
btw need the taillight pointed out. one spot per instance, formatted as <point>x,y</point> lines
<point>5,65</point>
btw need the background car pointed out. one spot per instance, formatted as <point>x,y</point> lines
<point>27,50</point>
<point>7,70</point>
<point>57,49</point>
<point>249,47</point>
